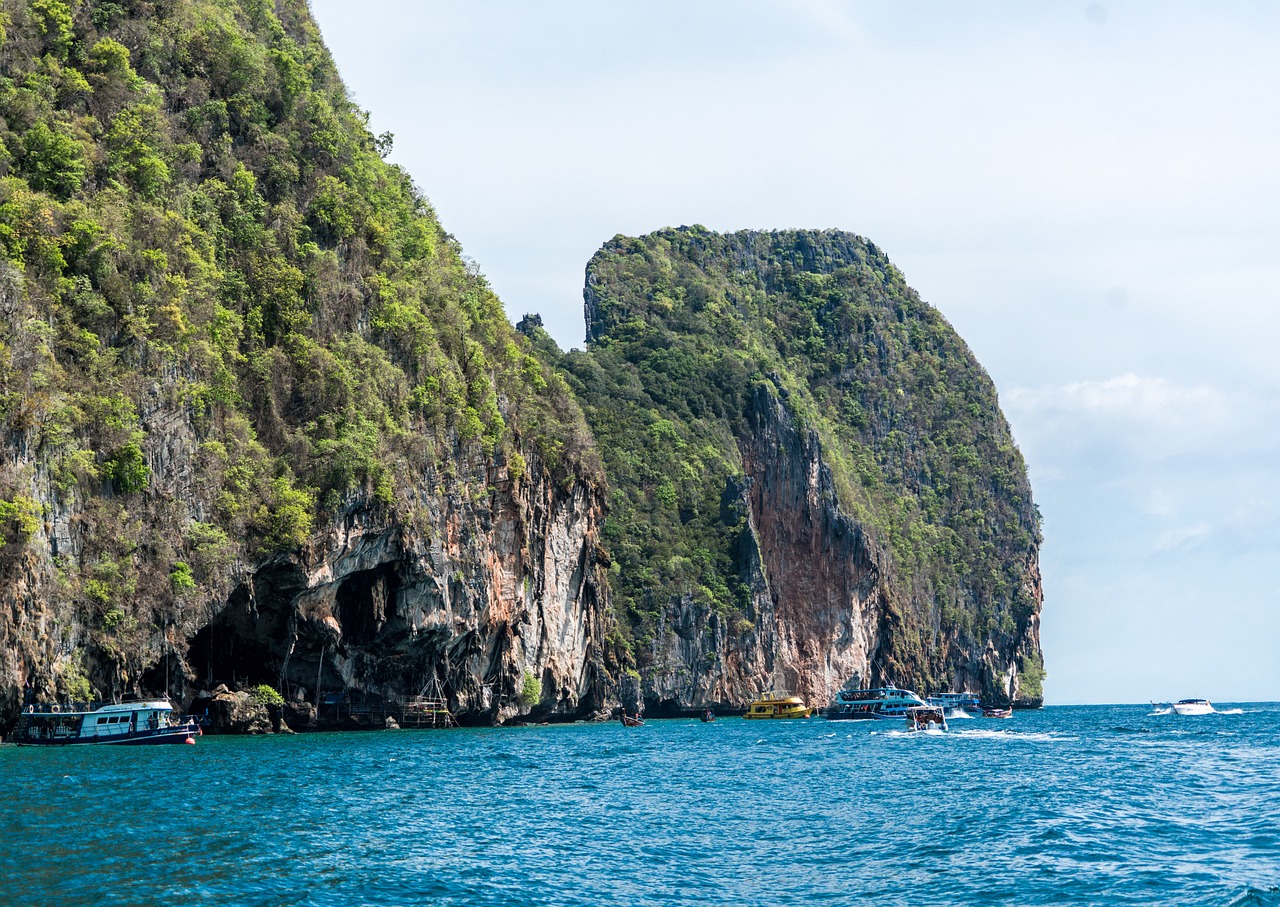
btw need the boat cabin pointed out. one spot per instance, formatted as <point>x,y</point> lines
<point>778,704</point>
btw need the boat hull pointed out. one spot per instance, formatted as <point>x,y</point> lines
<point>798,713</point>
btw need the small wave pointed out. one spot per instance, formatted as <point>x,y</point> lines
<point>1258,897</point>
<point>1124,729</point>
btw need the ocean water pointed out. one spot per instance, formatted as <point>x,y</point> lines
<point>1067,805</point>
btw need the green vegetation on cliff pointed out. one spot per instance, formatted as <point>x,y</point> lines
<point>685,326</point>
<point>205,258</point>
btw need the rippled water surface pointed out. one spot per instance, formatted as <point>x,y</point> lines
<point>1068,805</point>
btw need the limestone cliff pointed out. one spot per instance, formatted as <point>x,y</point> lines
<point>488,591</point>
<point>812,484</point>
<point>261,422</point>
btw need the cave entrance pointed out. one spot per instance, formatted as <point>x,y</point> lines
<point>247,642</point>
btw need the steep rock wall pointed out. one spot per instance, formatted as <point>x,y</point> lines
<point>478,593</point>
<point>487,593</point>
<point>823,615</point>
<point>812,484</point>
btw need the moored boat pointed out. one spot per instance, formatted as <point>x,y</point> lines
<point>128,723</point>
<point>632,721</point>
<point>1193,707</point>
<point>778,704</point>
<point>926,718</point>
<point>957,705</point>
<point>886,702</point>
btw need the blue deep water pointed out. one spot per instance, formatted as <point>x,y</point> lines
<point>1067,805</point>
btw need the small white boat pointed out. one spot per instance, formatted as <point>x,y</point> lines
<point>927,718</point>
<point>1193,707</point>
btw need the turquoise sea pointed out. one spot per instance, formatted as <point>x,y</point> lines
<point>1067,805</point>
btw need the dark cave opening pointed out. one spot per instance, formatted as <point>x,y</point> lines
<point>247,642</point>
<point>366,603</point>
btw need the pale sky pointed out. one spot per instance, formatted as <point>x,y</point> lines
<point>1088,192</point>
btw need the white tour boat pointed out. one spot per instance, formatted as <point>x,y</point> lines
<point>130,723</point>
<point>887,702</point>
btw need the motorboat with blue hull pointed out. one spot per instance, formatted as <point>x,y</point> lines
<point>126,723</point>
<point>957,705</point>
<point>881,703</point>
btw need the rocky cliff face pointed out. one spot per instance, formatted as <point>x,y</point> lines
<point>490,591</point>
<point>811,614</point>
<point>822,613</point>
<point>488,596</point>
<point>874,521</point>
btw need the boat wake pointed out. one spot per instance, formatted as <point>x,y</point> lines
<point>931,732</point>
<point>1034,736</point>
<point>1160,711</point>
<point>1228,711</point>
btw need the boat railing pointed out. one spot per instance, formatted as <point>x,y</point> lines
<point>74,708</point>
<point>56,708</point>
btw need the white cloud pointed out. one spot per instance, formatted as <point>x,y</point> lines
<point>1147,418</point>
<point>1125,396</point>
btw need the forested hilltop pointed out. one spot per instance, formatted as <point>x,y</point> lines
<point>811,480</point>
<point>236,346</point>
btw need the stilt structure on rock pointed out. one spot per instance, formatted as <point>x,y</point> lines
<point>428,709</point>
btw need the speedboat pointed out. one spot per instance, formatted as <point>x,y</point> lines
<point>778,704</point>
<point>997,713</point>
<point>126,723</point>
<point>882,702</point>
<point>1193,707</point>
<point>926,718</point>
<point>957,705</point>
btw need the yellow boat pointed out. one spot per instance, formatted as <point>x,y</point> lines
<point>778,704</point>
